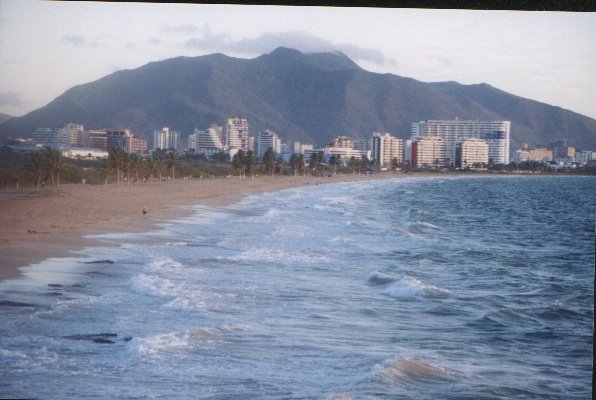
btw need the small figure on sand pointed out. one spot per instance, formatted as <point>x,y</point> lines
<point>145,211</point>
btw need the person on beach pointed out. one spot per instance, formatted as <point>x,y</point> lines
<point>145,211</point>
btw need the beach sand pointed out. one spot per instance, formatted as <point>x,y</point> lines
<point>36,225</point>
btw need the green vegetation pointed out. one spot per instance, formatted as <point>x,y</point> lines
<point>49,169</point>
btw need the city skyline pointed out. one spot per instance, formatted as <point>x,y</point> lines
<point>544,56</point>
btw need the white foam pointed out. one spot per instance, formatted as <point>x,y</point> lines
<point>185,296</point>
<point>403,370</point>
<point>165,263</point>
<point>268,255</point>
<point>183,341</point>
<point>410,287</point>
<point>176,244</point>
<point>421,225</point>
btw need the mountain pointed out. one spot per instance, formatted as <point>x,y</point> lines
<point>307,97</point>
<point>4,117</point>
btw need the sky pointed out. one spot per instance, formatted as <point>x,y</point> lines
<point>48,47</point>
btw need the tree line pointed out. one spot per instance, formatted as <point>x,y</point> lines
<point>50,168</point>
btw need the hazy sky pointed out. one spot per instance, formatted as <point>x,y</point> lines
<point>48,47</point>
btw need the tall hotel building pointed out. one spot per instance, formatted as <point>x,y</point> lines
<point>55,138</point>
<point>165,139</point>
<point>237,134</point>
<point>495,133</point>
<point>428,152</point>
<point>76,134</point>
<point>266,140</point>
<point>208,142</point>
<point>386,148</point>
<point>470,152</point>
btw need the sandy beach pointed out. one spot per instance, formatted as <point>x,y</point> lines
<point>36,225</point>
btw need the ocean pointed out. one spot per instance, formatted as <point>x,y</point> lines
<point>415,288</point>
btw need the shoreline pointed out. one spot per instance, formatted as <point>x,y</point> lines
<point>38,225</point>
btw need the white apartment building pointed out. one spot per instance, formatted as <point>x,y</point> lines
<point>428,152</point>
<point>165,139</point>
<point>265,140</point>
<point>496,133</point>
<point>237,134</point>
<point>470,152</point>
<point>208,142</point>
<point>301,148</point>
<point>583,157</point>
<point>386,148</point>
<point>345,153</point>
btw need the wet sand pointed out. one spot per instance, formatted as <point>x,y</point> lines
<point>36,225</point>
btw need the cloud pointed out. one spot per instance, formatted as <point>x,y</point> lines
<point>268,41</point>
<point>12,99</point>
<point>185,29</point>
<point>76,40</point>
<point>154,41</point>
<point>81,41</point>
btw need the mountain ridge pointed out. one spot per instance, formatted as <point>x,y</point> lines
<point>310,97</point>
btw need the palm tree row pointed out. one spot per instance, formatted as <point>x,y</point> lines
<point>133,165</point>
<point>47,162</point>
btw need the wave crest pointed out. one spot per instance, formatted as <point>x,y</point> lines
<point>404,370</point>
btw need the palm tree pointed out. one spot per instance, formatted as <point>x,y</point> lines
<point>117,158</point>
<point>295,162</point>
<point>334,160</point>
<point>315,158</point>
<point>269,160</point>
<point>150,164</point>
<point>55,162</point>
<point>281,164</point>
<point>249,162</point>
<point>238,162</point>
<point>105,167</point>
<point>365,162</point>
<point>353,163</point>
<point>38,165</point>
<point>136,163</point>
<point>171,162</point>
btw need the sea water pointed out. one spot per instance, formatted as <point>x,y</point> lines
<point>444,287</point>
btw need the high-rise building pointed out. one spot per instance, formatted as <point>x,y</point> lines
<point>300,148</point>
<point>55,138</point>
<point>127,141</point>
<point>208,142</point>
<point>386,149</point>
<point>562,152</point>
<point>237,134</point>
<point>363,145</point>
<point>135,144</point>
<point>496,134</point>
<point>470,152</point>
<point>268,139</point>
<point>117,139</point>
<point>76,134</point>
<point>428,152</point>
<point>540,154</point>
<point>96,139</point>
<point>165,139</point>
<point>343,141</point>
